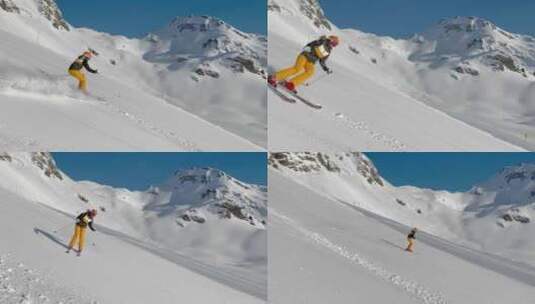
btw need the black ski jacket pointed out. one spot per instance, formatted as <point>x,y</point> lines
<point>318,50</point>
<point>83,220</point>
<point>82,62</point>
<point>412,234</point>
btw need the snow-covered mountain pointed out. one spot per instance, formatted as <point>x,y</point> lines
<point>385,92</point>
<point>201,214</point>
<point>472,40</point>
<point>204,41</point>
<point>196,73</point>
<point>495,216</point>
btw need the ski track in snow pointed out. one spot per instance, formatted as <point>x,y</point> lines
<point>257,288</point>
<point>95,101</point>
<point>414,288</point>
<point>359,126</point>
<point>22,285</point>
<point>362,126</point>
<point>314,141</point>
<point>18,141</point>
<point>184,144</point>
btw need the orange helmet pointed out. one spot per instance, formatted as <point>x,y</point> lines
<point>334,40</point>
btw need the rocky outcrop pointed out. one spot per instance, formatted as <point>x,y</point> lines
<point>51,11</point>
<point>5,157</point>
<point>306,162</point>
<point>240,64</point>
<point>83,198</point>
<point>191,215</point>
<point>402,203</point>
<point>370,172</point>
<point>9,6</point>
<point>312,9</point>
<point>200,175</point>
<point>501,62</point>
<point>45,162</point>
<point>206,69</point>
<point>463,69</point>
<point>354,50</point>
<point>274,7</point>
<point>298,162</point>
<point>515,215</point>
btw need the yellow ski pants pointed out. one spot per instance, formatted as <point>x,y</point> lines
<point>410,245</point>
<point>82,85</point>
<point>78,237</point>
<point>302,66</point>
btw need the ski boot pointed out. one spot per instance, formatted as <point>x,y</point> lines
<point>290,86</point>
<point>272,81</point>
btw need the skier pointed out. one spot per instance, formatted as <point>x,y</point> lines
<point>83,220</point>
<point>318,50</point>
<point>410,238</point>
<point>75,70</point>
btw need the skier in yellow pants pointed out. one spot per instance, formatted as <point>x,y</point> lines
<point>410,239</point>
<point>83,221</point>
<point>75,70</point>
<point>304,68</point>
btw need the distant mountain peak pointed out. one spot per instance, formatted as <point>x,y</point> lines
<point>467,41</point>
<point>467,24</point>
<point>196,192</point>
<point>466,34</point>
<point>204,42</point>
<point>197,23</point>
<point>202,175</point>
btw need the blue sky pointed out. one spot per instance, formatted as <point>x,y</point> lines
<point>137,171</point>
<point>135,18</point>
<point>402,18</point>
<point>444,171</point>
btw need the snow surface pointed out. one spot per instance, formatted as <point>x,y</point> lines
<point>404,95</point>
<point>138,101</point>
<point>109,271</point>
<point>323,250</point>
<point>224,254</point>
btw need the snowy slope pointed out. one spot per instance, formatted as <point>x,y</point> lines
<point>37,270</point>
<point>206,220</point>
<point>495,216</point>
<point>322,250</point>
<point>425,93</point>
<point>146,94</point>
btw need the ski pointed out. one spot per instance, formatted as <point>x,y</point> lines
<point>281,95</point>
<point>303,100</point>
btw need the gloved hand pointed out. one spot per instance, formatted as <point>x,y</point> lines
<point>96,71</point>
<point>327,70</point>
